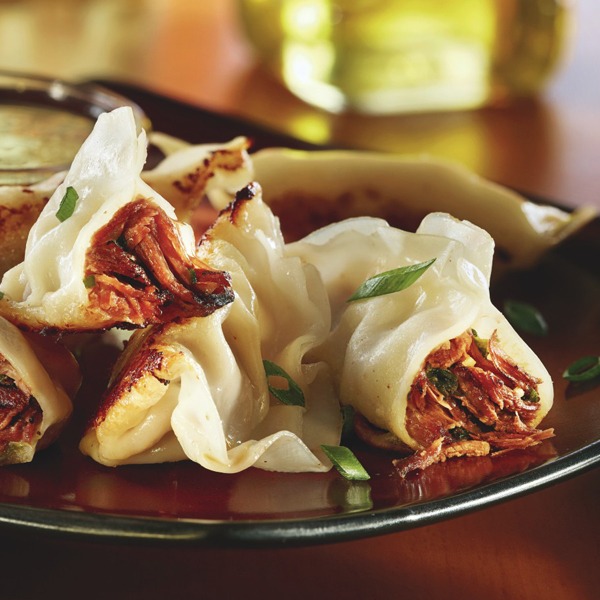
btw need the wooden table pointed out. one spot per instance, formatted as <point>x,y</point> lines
<point>543,545</point>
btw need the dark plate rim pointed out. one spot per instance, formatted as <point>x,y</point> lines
<point>303,531</point>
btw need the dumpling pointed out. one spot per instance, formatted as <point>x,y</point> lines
<point>198,388</point>
<point>188,174</point>
<point>191,172</point>
<point>435,368</point>
<point>33,405</point>
<point>107,250</point>
<point>20,206</point>
<point>308,189</point>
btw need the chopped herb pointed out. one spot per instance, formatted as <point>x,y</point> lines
<point>346,463</point>
<point>293,395</point>
<point>67,204</point>
<point>460,433</point>
<point>583,369</point>
<point>193,276</point>
<point>531,395</point>
<point>445,381</point>
<point>89,281</point>
<point>1,295</point>
<point>481,343</point>
<point>390,281</point>
<point>525,317</point>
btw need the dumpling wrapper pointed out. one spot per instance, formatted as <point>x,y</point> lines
<point>191,172</point>
<point>75,277</point>
<point>186,175</point>
<point>309,189</point>
<point>19,362</point>
<point>378,345</point>
<point>197,389</point>
<point>20,206</point>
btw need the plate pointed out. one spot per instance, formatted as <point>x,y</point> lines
<point>65,492</point>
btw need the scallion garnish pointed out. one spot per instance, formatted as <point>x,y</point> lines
<point>293,395</point>
<point>525,317</point>
<point>445,381</point>
<point>583,369</point>
<point>459,433</point>
<point>67,204</point>
<point>346,463</point>
<point>481,343</point>
<point>532,396</point>
<point>89,281</point>
<point>193,276</point>
<point>390,281</point>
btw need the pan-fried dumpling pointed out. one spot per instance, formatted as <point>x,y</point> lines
<point>198,389</point>
<point>107,249</point>
<point>33,405</point>
<point>307,189</point>
<point>188,174</point>
<point>434,368</point>
<point>191,172</point>
<point>20,206</point>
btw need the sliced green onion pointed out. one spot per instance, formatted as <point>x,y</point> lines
<point>293,395</point>
<point>445,381</point>
<point>193,276</point>
<point>89,281</point>
<point>67,204</point>
<point>390,281</point>
<point>525,317</point>
<point>459,433</point>
<point>583,369</point>
<point>346,463</point>
<point>481,343</point>
<point>532,396</point>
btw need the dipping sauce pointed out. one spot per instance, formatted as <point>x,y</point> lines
<point>37,141</point>
<point>44,121</point>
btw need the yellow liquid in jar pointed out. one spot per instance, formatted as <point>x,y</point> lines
<point>386,56</point>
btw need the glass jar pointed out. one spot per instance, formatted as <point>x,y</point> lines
<point>394,56</point>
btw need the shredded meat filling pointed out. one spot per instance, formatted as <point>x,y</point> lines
<point>470,399</point>
<point>20,414</point>
<point>138,267</point>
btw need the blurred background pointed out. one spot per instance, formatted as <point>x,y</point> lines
<point>201,52</point>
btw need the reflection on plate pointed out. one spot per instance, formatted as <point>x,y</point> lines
<point>66,492</point>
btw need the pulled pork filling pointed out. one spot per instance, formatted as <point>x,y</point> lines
<point>20,414</point>
<point>470,399</point>
<point>137,267</point>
